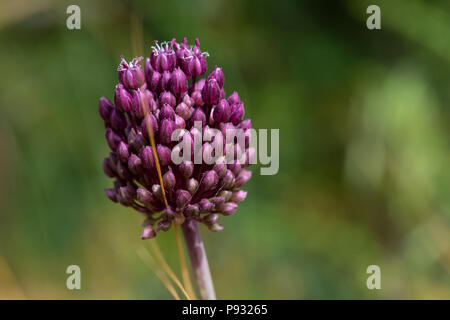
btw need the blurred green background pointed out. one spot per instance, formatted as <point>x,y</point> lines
<point>364,148</point>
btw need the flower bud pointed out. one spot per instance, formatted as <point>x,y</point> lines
<point>122,99</point>
<point>186,169</point>
<point>216,227</point>
<point>217,74</point>
<point>234,98</point>
<point>169,180</point>
<point>118,121</point>
<point>135,164</point>
<point>112,138</point>
<point>165,81</point>
<point>221,112</point>
<point>220,167</point>
<point>192,210</point>
<point>182,198</point>
<point>167,112</point>
<point>148,233</point>
<point>109,170</point>
<point>155,81</point>
<point>228,180</point>
<point>226,195</point>
<point>187,100</point>
<point>228,208</point>
<point>167,128</point>
<point>211,92</point>
<point>198,115</point>
<point>123,171</point>
<point>145,197</point>
<point>131,75</point>
<point>122,151</point>
<point>217,201</point>
<point>163,153</point>
<point>198,99</point>
<point>149,118</point>
<point>157,191</point>
<point>239,196</point>
<point>237,114</point>
<point>182,110</point>
<point>205,206</point>
<point>245,124</point>
<point>211,219</point>
<point>111,194</point>
<point>139,103</point>
<point>178,81</point>
<point>127,193</point>
<point>167,97</point>
<point>192,185</point>
<point>147,158</point>
<point>105,107</point>
<point>209,181</point>
<point>179,122</point>
<point>242,178</point>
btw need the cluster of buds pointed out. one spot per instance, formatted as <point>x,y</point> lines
<point>152,102</point>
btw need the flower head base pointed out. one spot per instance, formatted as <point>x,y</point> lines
<point>165,96</point>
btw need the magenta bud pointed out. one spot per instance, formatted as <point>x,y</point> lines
<point>205,206</point>
<point>169,180</point>
<point>186,169</point>
<point>118,120</point>
<point>123,171</point>
<point>220,169</point>
<point>238,114</point>
<point>111,194</point>
<point>144,196</point>
<point>139,103</point>
<point>157,191</point>
<point>167,97</point>
<point>154,81</point>
<point>122,151</point>
<point>210,180</point>
<point>234,98</point>
<point>226,195</point>
<point>148,233</point>
<point>192,185</point>
<point>127,193</point>
<point>122,99</point>
<point>147,158</point>
<point>211,92</point>
<point>178,81</point>
<point>228,208</point>
<point>182,198</point>
<point>245,124</point>
<point>217,201</point>
<point>167,112</point>
<point>163,154</point>
<point>192,210</point>
<point>131,74</point>
<point>228,180</point>
<point>198,115</point>
<point>179,122</point>
<point>148,70</point>
<point>109,168</point>
<point>217,74</point>
<point>167,128</point>
<point>242,178</point>
<point>182,110</point>
<point>216,227</point>
<point>112,138</point>
<point>105,107</point>
<point>222,112</point>
<point>149,119</point>
<point>188,100</point>
<point>165,81</point>
<point>198,99</point>
<point>211,218</point>
<point>239,196</point>
<point>135,164</point>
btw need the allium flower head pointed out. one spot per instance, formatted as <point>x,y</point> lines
<point>166,95</point>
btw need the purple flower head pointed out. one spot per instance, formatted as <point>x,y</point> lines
<point>159,99</point>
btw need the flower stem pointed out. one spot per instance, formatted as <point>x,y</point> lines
<point>199,261</point>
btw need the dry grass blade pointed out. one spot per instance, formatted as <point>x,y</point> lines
<point>148,259</point>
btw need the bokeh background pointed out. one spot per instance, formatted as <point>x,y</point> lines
<point>364,148</point>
